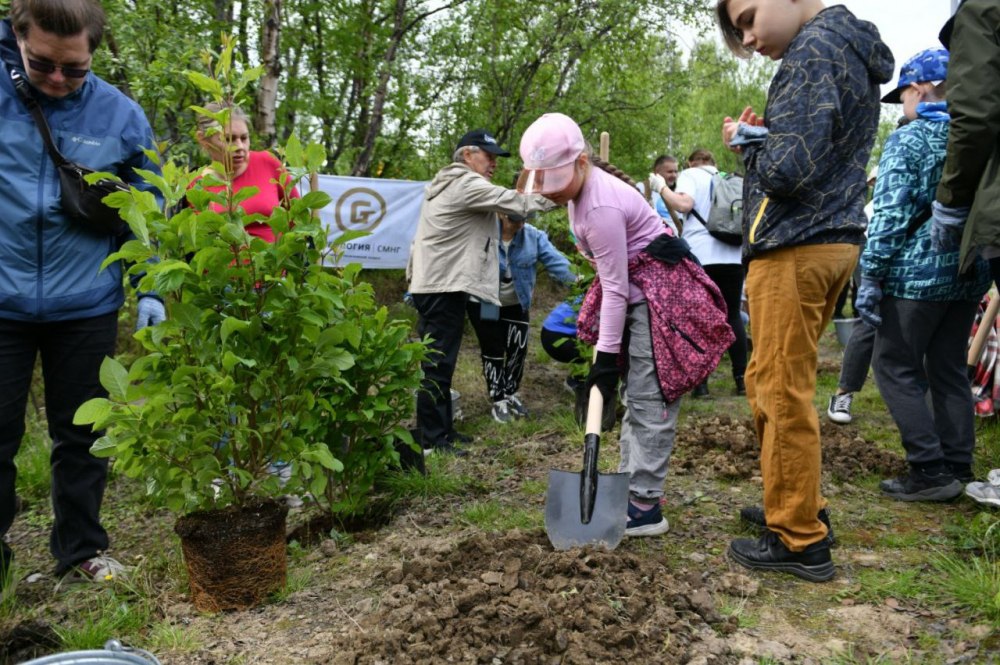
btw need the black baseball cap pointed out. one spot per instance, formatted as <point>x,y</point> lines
<point>484,140</point>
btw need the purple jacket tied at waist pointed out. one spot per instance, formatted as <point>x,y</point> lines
<point>687,320</point>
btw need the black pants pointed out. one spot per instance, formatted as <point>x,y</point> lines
<point>442,318</point>
<point>729,278</point>
<point>72,353</point>
<point>503,345</point>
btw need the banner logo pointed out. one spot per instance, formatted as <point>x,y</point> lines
<point>359,209</point>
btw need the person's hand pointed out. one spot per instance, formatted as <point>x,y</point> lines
<point>730,126</point>
<point>604,374</point>
<point>947,225</point>
<point>657,182</point>
<point>867,303</point>
<point>150,312</point>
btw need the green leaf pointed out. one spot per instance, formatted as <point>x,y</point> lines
<point>103,447</point>
<point>94,410</point>
<point>114,378</point>
<point>231,325</point>
<point>204,83</point>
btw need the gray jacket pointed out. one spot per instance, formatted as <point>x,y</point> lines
<point>455,248</point>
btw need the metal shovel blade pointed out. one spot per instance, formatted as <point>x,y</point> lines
<point>606,527</point>
<point>587,507</point>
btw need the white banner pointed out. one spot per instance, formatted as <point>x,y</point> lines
<point>387,209</point>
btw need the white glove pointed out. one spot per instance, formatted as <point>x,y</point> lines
<point>656,182</point>
<point>150,311</point>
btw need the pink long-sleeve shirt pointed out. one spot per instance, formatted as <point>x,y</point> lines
<point>612,223</point>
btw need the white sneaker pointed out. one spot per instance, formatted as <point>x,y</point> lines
<point>517,407</point>
<point>501,411</point>
<point>988,492</point>
<point>840,408</point>
<point>97,569</point>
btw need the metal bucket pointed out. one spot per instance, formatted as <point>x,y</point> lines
<point>844,328</point>
<point>113,653</point>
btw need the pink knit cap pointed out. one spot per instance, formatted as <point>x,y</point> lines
<point>549,148</point>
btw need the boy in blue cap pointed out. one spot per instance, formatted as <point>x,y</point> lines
<point>804,197</point>
<point>913,294</point>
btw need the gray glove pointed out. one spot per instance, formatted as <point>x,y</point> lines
<point>150,312</point>
<point>947,225</point>
<point>866,304</point>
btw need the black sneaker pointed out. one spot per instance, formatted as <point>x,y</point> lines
<point>755,515</point>
<point>919,485</point>
<point>769,553</point>
<point>741,385</point>
<point>454,436</point>
<point>700,390</point>
<point>516,406</point>
<point>962,472</point>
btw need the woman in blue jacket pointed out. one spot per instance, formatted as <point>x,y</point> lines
<point>503,335</point>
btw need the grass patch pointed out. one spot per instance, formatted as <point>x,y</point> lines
<point>972,583</point>
<point>875,586</point>
<point>32,460</point>
<point>167,636</point>
<point>296,580</point>
<point>439,481</point>
<point>496,516</point>
<point>103,616</point>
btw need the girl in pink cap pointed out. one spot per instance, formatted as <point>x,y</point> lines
<point>630,248</point>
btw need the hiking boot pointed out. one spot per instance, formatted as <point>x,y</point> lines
<point>769,553</point>
<point>988,492</point>
<point>454,436</point>
<point>929,485</point>
<point>755,515</point>
<point>96,569</point>
<point>649,522</point>
<point>501,411</point>
<point>700,390</point>
<point>741,385</point>
<point>840,408</point>
<point>516,406</point>
<point>962,472</point>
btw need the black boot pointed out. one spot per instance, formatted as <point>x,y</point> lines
<point>769,553</point>
<point>755,515</point>
<point>741,386</point>
<point>700,390</point>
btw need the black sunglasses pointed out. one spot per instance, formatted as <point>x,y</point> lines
<point>48,68</point>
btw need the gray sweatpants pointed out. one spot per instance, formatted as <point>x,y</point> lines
<point>919,345</point>
<point>650,423</point>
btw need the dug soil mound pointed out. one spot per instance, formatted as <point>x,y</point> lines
<point>726,447</point>
<point>510,598</point>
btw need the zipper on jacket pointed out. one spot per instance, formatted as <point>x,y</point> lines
<point>686,338</point>
<point>756,220</point>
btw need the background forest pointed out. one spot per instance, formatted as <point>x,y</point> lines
<point>388,86</point>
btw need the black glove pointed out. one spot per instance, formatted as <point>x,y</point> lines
<point>604,374</point>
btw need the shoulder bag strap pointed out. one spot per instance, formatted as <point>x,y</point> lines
<point>21,85</point>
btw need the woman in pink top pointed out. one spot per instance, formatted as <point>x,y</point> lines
<point>613,223</point>
<point>230,148</point>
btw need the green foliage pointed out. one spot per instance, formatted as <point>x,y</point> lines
<point>267,357</point>
<point>972,583</point>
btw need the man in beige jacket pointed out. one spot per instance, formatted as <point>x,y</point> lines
<point>454,256</point>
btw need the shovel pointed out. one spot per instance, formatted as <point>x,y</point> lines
<point>587,507</point>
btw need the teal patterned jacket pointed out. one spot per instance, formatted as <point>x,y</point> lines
<point>908,174</point>
<point>806,183</point>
